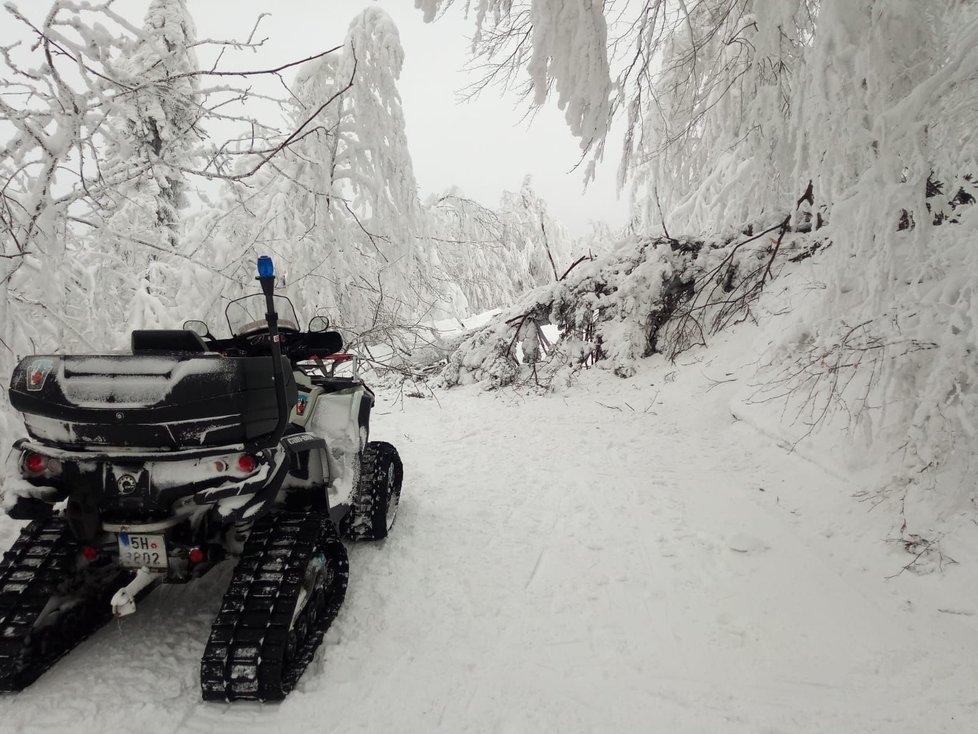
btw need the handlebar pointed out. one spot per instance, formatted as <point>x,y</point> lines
<point>297,346</point>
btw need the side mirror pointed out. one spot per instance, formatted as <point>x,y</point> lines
<point>197,327</point>
<point>318,324</point>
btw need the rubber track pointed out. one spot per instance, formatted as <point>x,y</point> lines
<point>247,654</point>
<point>39,566</point>
<point>363,522</point>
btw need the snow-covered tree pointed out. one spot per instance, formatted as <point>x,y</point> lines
<point>496,254</point>
<point>150,139</point>
<point>472,247</point>
<point>49,149</point>
<point>340,206</point>
<point>857,113</point>
<point>542,246</point>
<point>562,46</point>
<point>102,123</point>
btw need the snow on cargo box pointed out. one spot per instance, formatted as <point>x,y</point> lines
<point>169,402</point>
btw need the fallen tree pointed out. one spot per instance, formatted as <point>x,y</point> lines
<point>649,295</point>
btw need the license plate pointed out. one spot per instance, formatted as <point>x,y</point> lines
<point>136,551</point>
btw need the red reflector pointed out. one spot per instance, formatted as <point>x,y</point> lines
<point>90,552</point>
<point>35,463</point>
<point>247,463</point>
<point>196,555</point>
<point>37,377</point>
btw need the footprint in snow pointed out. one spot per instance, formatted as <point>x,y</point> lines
<point>743,543</point>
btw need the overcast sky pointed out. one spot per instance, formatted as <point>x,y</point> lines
<point>483,146</point>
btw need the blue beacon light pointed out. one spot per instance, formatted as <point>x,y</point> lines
<point>266,269</point>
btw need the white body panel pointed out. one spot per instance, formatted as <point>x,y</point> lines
<point>335,416</point>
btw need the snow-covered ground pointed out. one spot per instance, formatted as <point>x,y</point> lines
<point>623,556</point>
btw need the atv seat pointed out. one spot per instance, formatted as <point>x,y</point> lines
<point>166,341</point>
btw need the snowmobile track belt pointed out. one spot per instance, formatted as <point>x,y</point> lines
<point>258,647</point>
<point>38,570</point>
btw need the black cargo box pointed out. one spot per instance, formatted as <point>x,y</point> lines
<point>147,401</point>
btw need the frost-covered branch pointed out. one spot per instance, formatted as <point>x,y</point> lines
<point>106,122</point>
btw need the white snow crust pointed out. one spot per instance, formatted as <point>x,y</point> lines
<point>625,556</point>
<point>136,382</point>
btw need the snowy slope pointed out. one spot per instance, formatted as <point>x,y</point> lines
<point>623,556</point>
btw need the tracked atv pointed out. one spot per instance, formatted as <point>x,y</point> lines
<point>154,467</point>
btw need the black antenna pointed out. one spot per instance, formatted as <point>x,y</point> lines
<point>266,277</point>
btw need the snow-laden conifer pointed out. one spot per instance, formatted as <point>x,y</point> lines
<point>150,138</point>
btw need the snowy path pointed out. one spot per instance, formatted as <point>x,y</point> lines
<point>622,558</point>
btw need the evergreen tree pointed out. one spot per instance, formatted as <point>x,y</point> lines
<point>150,142</point>
<point>340,206</point>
